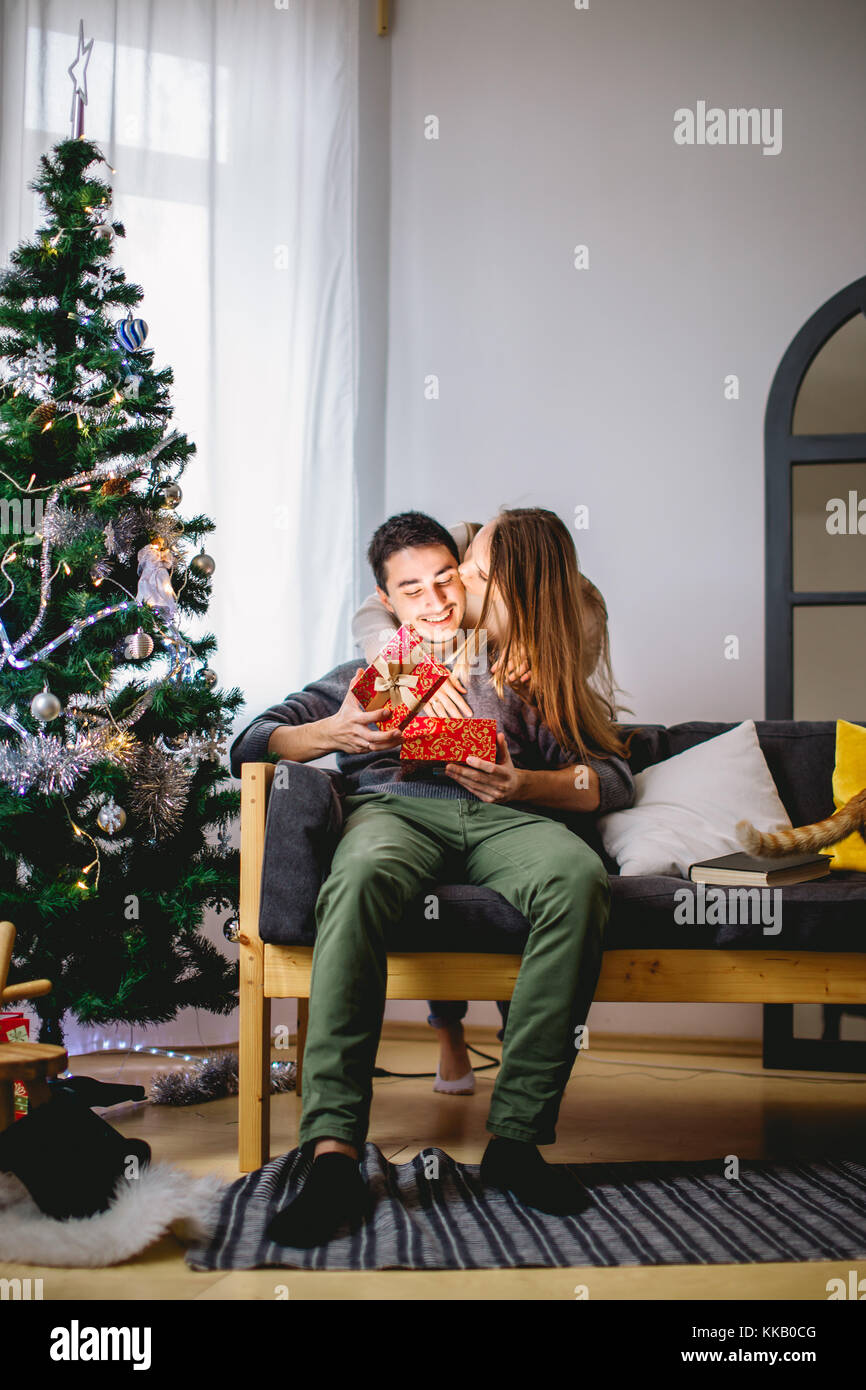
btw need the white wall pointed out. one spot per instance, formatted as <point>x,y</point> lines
<point>605,386</point>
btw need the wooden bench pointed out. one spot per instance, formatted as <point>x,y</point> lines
<point>270,971</point>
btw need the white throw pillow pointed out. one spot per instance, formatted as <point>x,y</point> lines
<point>687,807</point>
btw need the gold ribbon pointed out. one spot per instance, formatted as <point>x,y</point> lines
<point>393,683</point>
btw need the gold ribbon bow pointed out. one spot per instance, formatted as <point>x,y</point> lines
<point>396,685</point>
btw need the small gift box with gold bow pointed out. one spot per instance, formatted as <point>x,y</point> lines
<point>431,740</point>
<point>16,1028</point>
<point>400,679</point>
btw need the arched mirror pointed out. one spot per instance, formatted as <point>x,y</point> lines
<point>815,459</point>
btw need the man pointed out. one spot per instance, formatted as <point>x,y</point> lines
<point>404,823</point>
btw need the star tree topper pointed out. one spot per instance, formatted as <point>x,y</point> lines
<point>79,83</point>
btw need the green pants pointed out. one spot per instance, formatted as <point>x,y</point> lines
<point>391,847</point>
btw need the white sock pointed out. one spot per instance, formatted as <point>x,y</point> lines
<point>464,1083</point>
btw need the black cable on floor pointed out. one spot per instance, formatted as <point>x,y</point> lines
<point>407,1075</point>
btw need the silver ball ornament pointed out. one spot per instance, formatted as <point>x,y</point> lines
<point>169,495</point>
<point>232,930</point>
<point>45,706</point>
<point>137,646</point>
<point>203,564</point>
<point>208,677</point>
<point>111,817</point>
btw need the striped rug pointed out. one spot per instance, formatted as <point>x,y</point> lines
<point>433,1213</point>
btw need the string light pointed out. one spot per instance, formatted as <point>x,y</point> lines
<point>121,1046</point>
<point>95,863</point>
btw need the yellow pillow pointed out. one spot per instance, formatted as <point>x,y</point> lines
<point>849,778</point>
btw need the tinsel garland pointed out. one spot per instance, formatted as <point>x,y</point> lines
<point>47,763</point>
<point>93,710</point>
<point>159,790</point>
<point>210,1079</point>
<point>67,525</point>
<point>124,531</point>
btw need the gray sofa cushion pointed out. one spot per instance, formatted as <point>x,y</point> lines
<point>304,821</point>
<point>829,915</point>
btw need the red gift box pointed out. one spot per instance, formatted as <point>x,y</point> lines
<point>431,740</point>
<point>400,679</point>
<point>16,1028</point>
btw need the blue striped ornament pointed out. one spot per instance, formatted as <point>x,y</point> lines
<point>130,332</point>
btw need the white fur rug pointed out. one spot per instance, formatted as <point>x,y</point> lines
<point>163,1198</point>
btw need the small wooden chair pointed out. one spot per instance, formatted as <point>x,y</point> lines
<point>31,1063</point>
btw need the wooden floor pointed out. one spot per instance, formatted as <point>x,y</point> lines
<point>628,1098</point>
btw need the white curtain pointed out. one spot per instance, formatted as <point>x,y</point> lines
<point>233,130</point>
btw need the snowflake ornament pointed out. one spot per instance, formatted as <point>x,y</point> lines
<point>43,358</point>
<point>103,282</point>
<point>39,362</point>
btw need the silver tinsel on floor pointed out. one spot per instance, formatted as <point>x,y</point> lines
<point>210,1079</point>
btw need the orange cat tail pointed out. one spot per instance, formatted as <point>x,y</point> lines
<point>763,844</point>
<point>806,839</point>
<point>787,839</point>
<point>748,836</point>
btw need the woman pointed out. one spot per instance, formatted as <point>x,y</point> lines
<point>547,625</point>
<point>373,624</point>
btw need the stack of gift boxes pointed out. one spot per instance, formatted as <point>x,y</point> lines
<point>398,683</point>
<point>16,1028</point>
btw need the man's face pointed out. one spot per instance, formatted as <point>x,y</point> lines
<point>424,589</point>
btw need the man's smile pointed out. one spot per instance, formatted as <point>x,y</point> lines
<point>438,618</point>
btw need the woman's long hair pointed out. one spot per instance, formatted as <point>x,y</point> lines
<point>549,625</point>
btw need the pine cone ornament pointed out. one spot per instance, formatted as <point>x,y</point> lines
<point>115,487</point>
<point>43,413</point>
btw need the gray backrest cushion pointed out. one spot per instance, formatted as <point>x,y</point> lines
<point>301,834</point>
<point>800,755</point>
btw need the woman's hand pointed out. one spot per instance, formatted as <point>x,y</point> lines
<point>448,701</point>
<point>350,731</point>
<point>517,672</point>
<point>493,782</point>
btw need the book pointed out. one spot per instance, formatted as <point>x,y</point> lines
<point>745,869</point>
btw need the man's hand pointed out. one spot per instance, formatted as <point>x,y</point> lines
<point>448,701</point>
<point>494,782</point>
<point>350,731</point>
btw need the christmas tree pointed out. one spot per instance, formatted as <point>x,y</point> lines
<point>114,816</point>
